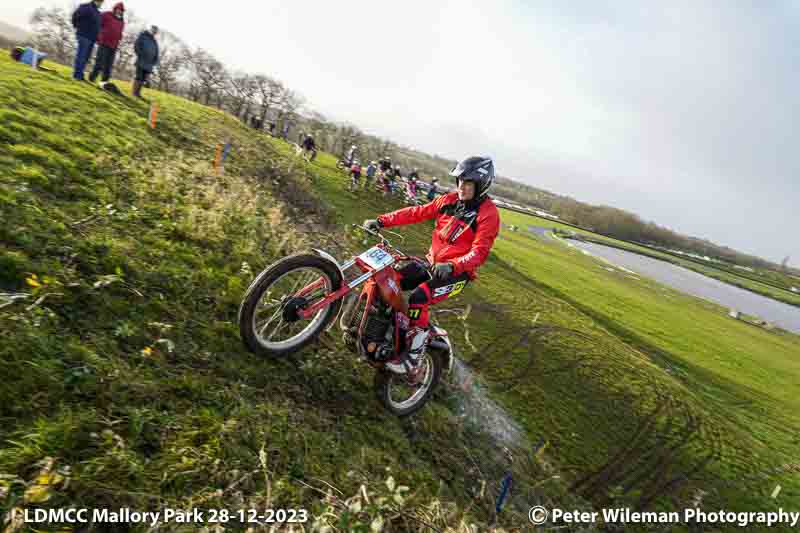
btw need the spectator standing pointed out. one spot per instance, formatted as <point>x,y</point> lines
<point>86,20</point>
<point>146,48</point>
<point>372,169</point>
<point>111,29</point>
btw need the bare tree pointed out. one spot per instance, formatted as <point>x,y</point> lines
<point>241,91</point>
<point>288,103</point>
<point>172,59</point>
<point>53,33</point>
<point>208,76</point>
<point>267,93</point>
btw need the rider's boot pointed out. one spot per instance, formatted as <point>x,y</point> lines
<point>415,342</point>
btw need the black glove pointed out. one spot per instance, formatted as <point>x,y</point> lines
<point>373,224</point>
<point>442,270</point>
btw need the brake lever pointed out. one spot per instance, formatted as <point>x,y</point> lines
<point>383,239</point>
<point>402,238</point>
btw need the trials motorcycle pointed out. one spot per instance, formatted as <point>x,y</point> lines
<point>297,298</point>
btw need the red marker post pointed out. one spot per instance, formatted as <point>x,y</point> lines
<point>153,115</point>
<point>219,158</point>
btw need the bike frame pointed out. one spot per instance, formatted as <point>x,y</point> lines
<point>385,280</point>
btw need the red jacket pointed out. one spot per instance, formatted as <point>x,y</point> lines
<point>463,239</point>
<point>111,29</point>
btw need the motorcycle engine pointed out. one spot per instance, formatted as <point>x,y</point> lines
<point>378,332</point>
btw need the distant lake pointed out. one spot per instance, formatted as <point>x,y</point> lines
<point>783,315</point>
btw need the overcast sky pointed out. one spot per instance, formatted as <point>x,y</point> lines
<point>683,112</point>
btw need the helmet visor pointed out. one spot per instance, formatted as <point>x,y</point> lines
<point>459,169</point>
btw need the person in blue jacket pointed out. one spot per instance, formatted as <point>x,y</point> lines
<point>29,56</point>
<point>146,48</point>
<point>86,21</point>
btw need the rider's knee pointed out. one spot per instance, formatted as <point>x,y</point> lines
<point>418,297</point>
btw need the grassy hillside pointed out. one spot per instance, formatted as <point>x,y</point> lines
<point>122,263</point>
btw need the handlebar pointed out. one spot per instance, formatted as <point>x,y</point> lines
<point>383,239</point>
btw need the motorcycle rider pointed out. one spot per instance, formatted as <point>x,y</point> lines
<point>411,187</point>
<point>467,224</point>
<point>394,174</point>
<point>372,168</point>
<point>355,174</point>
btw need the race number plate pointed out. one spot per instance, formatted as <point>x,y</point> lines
<point>377,258</point>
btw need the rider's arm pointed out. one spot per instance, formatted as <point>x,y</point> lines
<point>488,228</point>
<point>413,214</point>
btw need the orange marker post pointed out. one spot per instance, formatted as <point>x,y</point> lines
<point>153,115</point>
<point>218,159</point>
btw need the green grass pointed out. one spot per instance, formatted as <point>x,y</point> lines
<point>130,374</point>
<point>628,346</point>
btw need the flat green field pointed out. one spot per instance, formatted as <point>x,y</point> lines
<point>122,263</point>
<point>773,284</point>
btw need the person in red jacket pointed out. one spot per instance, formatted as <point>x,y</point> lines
<point>467,224</point>
<point>112,26</point>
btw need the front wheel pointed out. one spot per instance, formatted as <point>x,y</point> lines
<point>269,320</point>
<point>400,396</point>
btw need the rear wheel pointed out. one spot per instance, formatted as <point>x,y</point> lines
<point>269,321</point>
<point>402,396</point>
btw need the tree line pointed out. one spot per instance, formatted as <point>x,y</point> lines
<point>625,225</point>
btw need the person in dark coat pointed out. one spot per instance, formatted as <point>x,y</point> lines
<point>86,20</point>
<point>111,28</point>
<point>146,48</point>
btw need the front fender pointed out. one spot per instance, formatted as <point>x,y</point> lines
<point>329,257</point>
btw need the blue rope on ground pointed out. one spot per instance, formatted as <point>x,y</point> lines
<point>504,488</point>
<point>225,152</point>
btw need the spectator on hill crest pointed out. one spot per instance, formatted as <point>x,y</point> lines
<point>86,20</point>
<point>111,28</point>
<point>146,48</point>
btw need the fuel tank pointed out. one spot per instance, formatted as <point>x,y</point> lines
<point>388,281</point>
